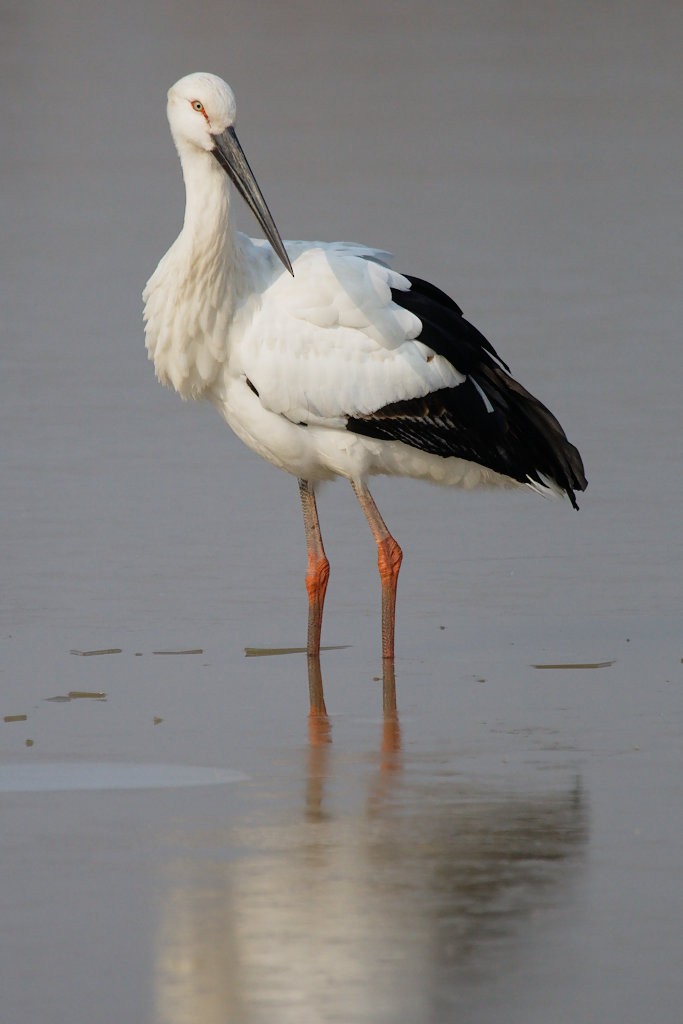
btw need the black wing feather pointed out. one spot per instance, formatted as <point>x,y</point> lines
<point>508,431</point>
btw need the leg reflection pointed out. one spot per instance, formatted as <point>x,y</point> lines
<point>319,740</point>
<point>391,729</point>
<point>318,722</point>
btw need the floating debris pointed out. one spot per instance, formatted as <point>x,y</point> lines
<point>577,664</point>
<point>15,718</point>
<point>191,650</point>
<point>268,652</point>
<point>64,698</point>
<point>90,654</point>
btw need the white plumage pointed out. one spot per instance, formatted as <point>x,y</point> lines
<point>326,361</point>
<point>318,347</point>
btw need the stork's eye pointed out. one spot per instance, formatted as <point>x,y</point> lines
<point>198,106</point>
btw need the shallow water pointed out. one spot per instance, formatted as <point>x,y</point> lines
<point>180,841</point>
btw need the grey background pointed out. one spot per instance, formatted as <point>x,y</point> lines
<point>520,855</point>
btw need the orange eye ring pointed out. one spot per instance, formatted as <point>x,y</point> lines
<point>198,106</point>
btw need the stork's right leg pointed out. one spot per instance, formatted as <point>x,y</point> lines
<point>389,557</point>
<point>318,570</point>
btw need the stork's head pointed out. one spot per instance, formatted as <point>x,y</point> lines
<point>201,111</point>
<point>200,107</point>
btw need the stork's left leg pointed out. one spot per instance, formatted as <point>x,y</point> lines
<point>389,557</point>
<point>318,570</point>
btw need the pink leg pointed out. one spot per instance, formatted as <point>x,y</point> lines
<point>318,570</point>
<point>389,557</point>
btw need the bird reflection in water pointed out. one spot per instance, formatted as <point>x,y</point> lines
<point>401,886</point>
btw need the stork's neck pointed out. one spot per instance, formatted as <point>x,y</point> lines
<point>207,226</point>
<point>191,298</point>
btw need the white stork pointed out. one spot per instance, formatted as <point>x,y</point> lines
<point>327,362</point>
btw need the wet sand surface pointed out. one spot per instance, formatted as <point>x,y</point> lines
<point>181,842</point>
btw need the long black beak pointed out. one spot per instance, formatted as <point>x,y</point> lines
<point>230,156</point>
